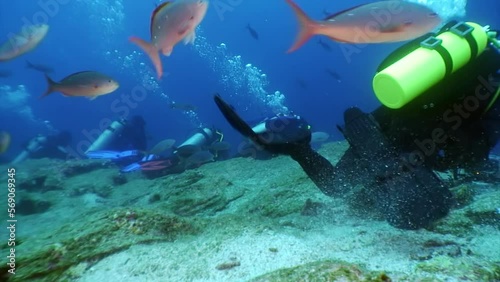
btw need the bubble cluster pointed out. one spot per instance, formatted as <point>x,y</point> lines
<point>239,78</point>
<point>108,16</point>
<point>133,63</point>
<point>15,102</point>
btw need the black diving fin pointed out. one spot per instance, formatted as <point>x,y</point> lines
<point>409,198</point>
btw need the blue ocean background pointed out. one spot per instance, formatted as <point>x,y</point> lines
<point>93,35</point>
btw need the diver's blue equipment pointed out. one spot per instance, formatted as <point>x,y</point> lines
<point>131,167</point>
<point>108,136</point>
<point>112,155</point>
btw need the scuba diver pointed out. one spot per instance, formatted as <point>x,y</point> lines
<point>448,121</point>
<point>50,146</point>
<point>122,135</point>
<point>123,141</point>
<point>196,150</point>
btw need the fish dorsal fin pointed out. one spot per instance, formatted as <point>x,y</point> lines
<point>156,10</point>
<point>341,12</point>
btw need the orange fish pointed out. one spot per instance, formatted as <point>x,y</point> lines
<point>172,22</point>
<point>23,42</point>
<point>382,21</point>
<point>88,84</point>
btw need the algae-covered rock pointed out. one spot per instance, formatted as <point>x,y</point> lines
<point>278,204</point>
<point>192,205</point>
<point>467,268</point>
<point>485,209</point>
<point>96,237</point>
<point>455,223</point>
<point>322,271</point>
<point>463,194</point>
<point>27,205</point>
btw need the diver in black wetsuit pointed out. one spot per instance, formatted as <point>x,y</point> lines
<point>389,152</point>
<point>405,203</point>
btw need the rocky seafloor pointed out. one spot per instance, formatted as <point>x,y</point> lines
<point>235,220</point>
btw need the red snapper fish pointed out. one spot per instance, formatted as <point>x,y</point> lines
<point>377,22</point>
<point>172,22</point>
<point>23,42</point>
<point>90,84</point>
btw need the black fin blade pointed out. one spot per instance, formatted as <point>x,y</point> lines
<point>235,120</point>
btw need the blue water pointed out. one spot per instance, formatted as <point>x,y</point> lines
<point>93,35</point>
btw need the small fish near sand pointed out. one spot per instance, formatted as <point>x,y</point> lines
<point>319,137</point>
<point>90,84</point>
<point>171,22</point>
<point>23,42</point>
<point>401,21</point>
<point>162,146</point>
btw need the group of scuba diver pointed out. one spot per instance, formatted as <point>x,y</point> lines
<point>124,142</point>
<point>440,112</point>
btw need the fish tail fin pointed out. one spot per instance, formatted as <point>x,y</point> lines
<point>152,52</point>
<point>50,87</point>
<point>307,27</point>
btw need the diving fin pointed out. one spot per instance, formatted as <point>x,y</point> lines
<point>236,121</point>
<point>111,155</point>
<point>409,198</point>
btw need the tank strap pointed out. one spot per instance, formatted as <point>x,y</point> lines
<point>465,31</point>
<point>202,132</point>
<point>473,46</point>
<point>110,128</point>
<point>448,61</point>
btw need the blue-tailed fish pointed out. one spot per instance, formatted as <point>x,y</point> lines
<point>382,21</point>
<point>23,42</point>
<point>172,22</point>
<point>88,84</point>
